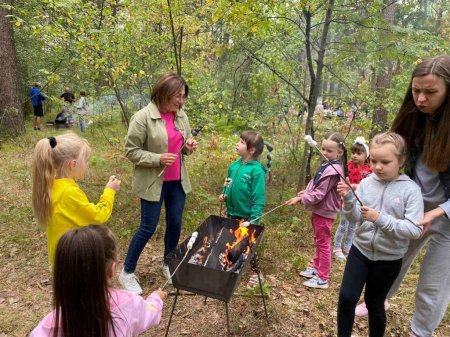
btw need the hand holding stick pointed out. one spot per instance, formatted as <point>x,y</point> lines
<point>311,142</point>
<point>168,159</point>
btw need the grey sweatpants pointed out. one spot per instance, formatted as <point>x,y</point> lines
<point>433,289</point>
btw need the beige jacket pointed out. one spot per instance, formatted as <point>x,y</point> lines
<point>145,142</point>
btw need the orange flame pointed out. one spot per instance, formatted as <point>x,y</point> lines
<point>240,234</point>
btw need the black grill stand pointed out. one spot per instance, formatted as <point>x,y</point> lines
<point>255,267</point>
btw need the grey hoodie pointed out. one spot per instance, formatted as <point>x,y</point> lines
<point>400,206</point>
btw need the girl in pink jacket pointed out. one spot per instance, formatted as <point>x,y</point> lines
<point>84,304</point>
<point>321,198</point>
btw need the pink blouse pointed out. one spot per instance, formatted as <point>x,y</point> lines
<point>175,142</point>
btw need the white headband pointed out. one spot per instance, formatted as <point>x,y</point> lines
<point>362,141</point>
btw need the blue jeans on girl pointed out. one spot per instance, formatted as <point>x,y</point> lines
<point>174,199</point>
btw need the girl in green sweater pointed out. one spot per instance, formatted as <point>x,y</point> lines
<point>245,186</point>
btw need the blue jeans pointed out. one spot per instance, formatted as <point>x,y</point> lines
<point>82,121</point>
<point>173,195</point>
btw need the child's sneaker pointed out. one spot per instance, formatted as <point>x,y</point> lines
<point>253,281</point>
<point>361,310</point>
<point>308,272</point>
<point>129,282</point>
<point>166,272</point>
<point>316,282</point>
<point>338,254</point>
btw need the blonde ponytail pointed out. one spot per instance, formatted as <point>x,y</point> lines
<point>42,179</point>
<point>50,159</point>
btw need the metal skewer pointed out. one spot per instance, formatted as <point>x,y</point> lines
<point>189,246</point>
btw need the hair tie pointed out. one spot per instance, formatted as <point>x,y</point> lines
<point>52,141</point>
<point>269,157</point>
<point>362,141</point>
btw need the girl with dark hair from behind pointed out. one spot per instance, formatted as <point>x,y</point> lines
<point>83,302</point>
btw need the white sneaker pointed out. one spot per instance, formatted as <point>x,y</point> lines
<point>309,272</point>
<point>166,272</point>
<point>316,282</point>
<point>129,282</point>
<point>338,254</point>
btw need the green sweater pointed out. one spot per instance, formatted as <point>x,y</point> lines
<point>246,193</point>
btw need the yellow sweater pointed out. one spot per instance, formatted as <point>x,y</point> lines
<point>71,209</point>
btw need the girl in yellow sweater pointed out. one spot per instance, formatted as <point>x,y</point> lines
<point>58,202</point>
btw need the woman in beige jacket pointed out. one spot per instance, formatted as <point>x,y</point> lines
<point>157,141</point>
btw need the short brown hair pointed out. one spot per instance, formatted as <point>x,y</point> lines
<point>253,139</point>
<point>167,85</point>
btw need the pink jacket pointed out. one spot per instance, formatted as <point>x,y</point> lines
<point>323,199</point>
<point>131,314</point>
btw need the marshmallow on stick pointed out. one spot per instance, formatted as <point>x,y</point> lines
<point>311,142</point>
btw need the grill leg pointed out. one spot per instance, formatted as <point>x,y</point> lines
<point>263,298</point>
<point>254,263</point>
<point>228,319</point>
<point>171,312</point>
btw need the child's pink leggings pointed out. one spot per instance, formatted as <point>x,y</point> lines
<point>322,239</point>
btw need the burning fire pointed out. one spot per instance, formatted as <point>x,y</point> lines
<point>243,237</point>
<point>199,257</point>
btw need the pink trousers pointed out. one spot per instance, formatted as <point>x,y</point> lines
<point>322,240</point>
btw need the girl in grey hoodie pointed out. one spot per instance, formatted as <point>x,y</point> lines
<point>392,207</point>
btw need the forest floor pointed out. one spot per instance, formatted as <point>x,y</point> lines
<point>25,279</point>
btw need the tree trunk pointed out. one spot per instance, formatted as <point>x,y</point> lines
<point>11,115</point>
<point>316,84</point>
<point>383,79</point>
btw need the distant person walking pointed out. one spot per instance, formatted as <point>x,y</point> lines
<point>318,111</point>
<point>67,96</point>
<point>37,97</point>
<point>82,106</point>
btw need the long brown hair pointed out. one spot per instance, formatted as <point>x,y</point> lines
<point>423,133</point>
<point>50,159</point>
<point>80,282</point>
<point>166,86</point>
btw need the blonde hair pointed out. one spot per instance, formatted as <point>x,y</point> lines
<point>50,159</point>
<point>394,139</point>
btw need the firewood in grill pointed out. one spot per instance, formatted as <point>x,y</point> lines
<point>199,257</point>
<point>236,251</point>
<point>235,268</point>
